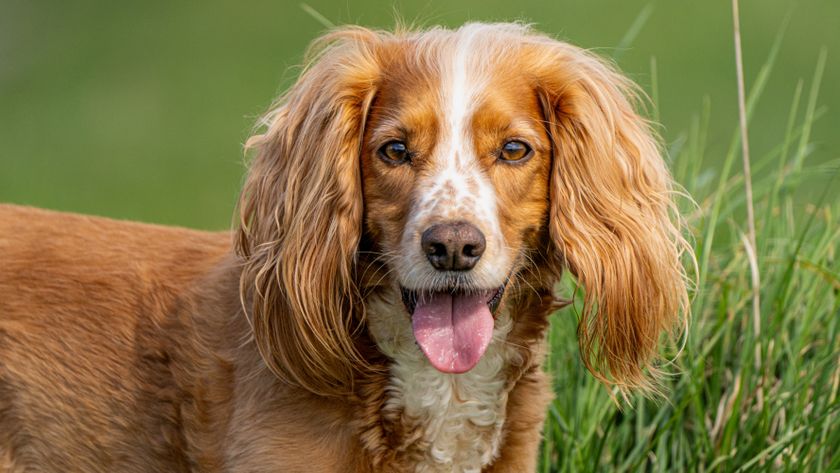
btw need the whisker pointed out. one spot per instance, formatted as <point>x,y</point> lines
<point>504,341</point>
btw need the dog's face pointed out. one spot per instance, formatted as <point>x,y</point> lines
<point>455,165</point>
<point>440,167</point>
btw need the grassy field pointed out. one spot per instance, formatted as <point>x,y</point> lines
<point>746,393</point>
<point>139,111</point>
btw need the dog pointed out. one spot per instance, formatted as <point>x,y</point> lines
<point>382,302</point>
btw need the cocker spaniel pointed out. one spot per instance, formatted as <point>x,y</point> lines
<point>382,304</point>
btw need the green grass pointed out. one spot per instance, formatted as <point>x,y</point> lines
<point>743,394</point>
<point>139,110</point>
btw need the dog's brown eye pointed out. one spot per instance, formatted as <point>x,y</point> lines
<point>515,150</point>
<point>394,152</point>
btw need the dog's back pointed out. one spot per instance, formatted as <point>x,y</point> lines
<point>88,312</point>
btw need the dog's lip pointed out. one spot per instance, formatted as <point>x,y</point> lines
<point>410,296</point>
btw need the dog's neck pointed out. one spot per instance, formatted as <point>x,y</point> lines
<point>446,422</point>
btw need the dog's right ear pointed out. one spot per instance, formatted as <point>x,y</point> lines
<point>301,216</point>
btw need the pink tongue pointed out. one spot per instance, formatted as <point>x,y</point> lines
<point>453,330</point>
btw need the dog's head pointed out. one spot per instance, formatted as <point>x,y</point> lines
<point>443,166</point>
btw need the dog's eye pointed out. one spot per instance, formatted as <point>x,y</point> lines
<point>514,151</point>
<point>394,152</point>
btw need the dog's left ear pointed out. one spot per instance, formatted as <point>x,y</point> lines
<point>612,219</point>
<point>301,215</point>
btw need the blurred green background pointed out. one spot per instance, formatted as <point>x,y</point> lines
<point>138,110</point>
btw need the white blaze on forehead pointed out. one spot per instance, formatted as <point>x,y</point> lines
<point>457,188</point>
<point>459,94</point>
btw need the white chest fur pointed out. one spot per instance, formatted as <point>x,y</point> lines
<point>455,421</point>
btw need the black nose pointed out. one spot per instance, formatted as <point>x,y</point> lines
<point>453,246</point>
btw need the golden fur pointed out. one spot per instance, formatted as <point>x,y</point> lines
<point>132,347</point>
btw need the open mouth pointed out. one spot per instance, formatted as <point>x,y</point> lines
<point>453,327</point>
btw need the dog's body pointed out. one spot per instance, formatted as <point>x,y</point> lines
<point>123,348</point>
<point>383,302</point>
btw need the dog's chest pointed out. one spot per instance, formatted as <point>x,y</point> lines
<point>451,422</point>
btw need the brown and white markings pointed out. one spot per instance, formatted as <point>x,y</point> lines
<point>382,305</point>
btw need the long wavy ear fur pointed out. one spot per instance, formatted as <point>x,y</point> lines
<point>613,220</point>
<point>301,215</point>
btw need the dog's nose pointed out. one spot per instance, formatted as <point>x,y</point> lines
<point>453,246</point>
